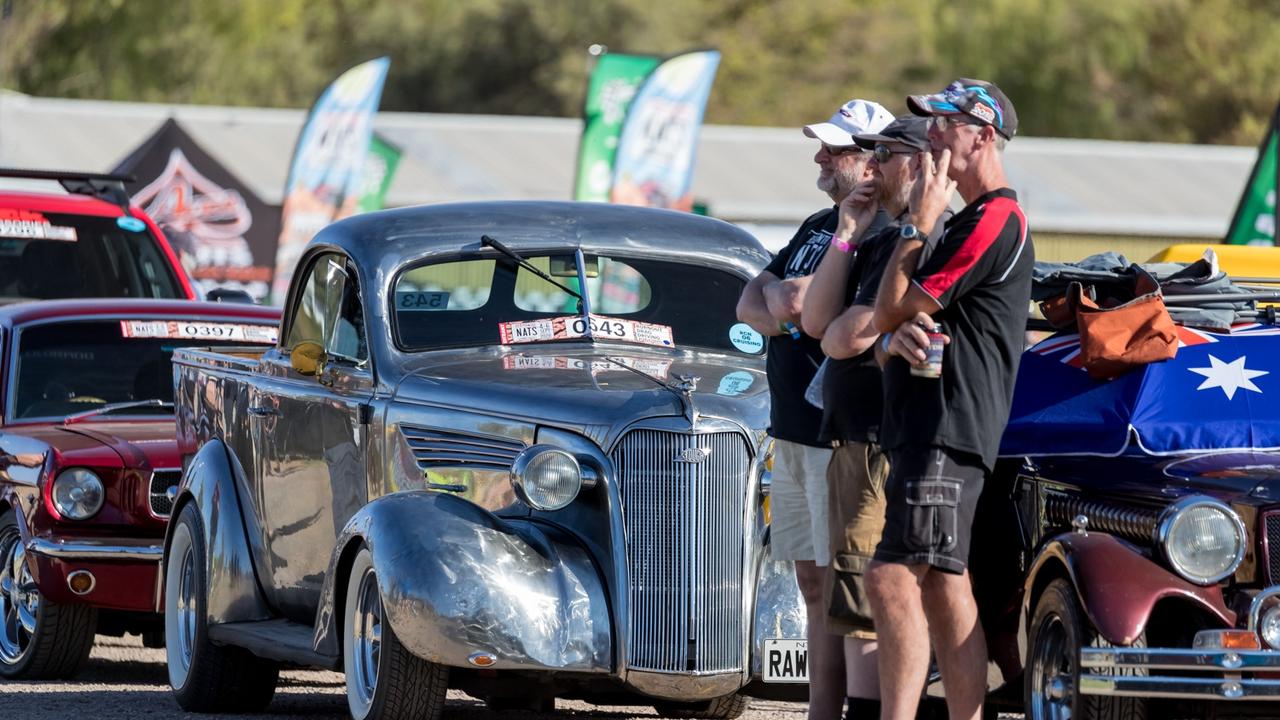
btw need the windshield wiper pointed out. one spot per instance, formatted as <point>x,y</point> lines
<point>115,407</point>
<point>584,306</point>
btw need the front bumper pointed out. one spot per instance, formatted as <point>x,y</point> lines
<point>126,572</point>
<point>1190,674</point>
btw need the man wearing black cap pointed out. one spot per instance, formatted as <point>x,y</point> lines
<point>942,432</point>
<point>838,308</point>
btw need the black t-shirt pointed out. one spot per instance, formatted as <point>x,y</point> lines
<point>852,399</point>
<point>980,275</point>
<point>791,363</point>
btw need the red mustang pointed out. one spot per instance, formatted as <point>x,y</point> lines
<point>89,465</point>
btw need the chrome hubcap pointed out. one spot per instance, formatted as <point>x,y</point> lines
<point>367,638</point>
<point>1052,666</point>
<point>19,600</point>
<point>186,608</point>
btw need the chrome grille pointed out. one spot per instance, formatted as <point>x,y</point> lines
<point>158,493</point>
<point>1133,523</point>
<point>1271,534</point>
<point>445,448</point>
<point>685,554</point>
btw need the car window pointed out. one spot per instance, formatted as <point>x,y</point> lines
<point>697,303</point>
<point>64,368</point>
<point>329,311</point>
<point>46,256</point>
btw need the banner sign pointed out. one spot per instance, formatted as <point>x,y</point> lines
<point>379,167</point>
<point>1255,220</point>
<point>223,234</point>
<point>654,164</point>
<point>324,178</point>
<point>614,82</point>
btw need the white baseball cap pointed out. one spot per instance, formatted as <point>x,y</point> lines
<point>856,117</point>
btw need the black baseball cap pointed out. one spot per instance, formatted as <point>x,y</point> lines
<point>978,99</point>
<point>909,130</point>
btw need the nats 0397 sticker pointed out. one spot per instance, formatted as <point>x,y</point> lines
<point>193,330</point>
<point>572,326</point>
<point>30,225</point>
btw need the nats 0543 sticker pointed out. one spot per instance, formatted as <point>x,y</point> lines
<point>192,330</point>
<point>572,326</point>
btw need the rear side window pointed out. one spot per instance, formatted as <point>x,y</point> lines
<point>46,256</point>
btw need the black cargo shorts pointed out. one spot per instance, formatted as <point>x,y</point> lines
<point>932,494</point>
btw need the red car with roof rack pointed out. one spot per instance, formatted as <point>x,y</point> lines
<point>89,242</point>
<point>89,466</point>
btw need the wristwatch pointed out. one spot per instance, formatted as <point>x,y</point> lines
<point>841,245</point>
<point>908,232</point>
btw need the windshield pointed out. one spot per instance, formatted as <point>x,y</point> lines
<point>45,256</point>
<point>465,302</point>
<point>71,367</point>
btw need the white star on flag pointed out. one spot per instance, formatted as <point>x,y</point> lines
<point>1228,376</point>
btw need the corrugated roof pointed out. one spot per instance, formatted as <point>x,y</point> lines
<point>761,177</point>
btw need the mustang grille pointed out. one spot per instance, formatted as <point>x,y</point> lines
<point>1271,528</point>
<point>158,493</point>
<point>683,499</point>
<point>444,448</point>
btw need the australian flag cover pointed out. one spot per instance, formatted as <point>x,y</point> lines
<point>1221,392</point>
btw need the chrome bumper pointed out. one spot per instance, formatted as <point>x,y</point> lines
<point>90,550</point>
<point>1225,670</point>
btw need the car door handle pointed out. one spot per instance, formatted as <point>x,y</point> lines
<point>263,411</point>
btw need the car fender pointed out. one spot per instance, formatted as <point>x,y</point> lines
<point>210,482</point>
<point>779,610</point>
<point>457,581</point>
<point>1117,585</point>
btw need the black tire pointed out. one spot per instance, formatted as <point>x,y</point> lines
<point>59,644</point>
<point>388,682</point>
<point>205,677</point>
<point>1058,630</point>
<point>724,707</point>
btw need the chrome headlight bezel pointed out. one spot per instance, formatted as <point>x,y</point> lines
<point>1169,524</point>
<point>84,504</point>
<point>529,484</point>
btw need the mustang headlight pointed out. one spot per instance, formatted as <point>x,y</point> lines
<point>545,477</point>
<point>77,493</point>
<point>1203,539</point>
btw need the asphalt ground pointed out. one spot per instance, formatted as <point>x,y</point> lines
<point>125,681</point>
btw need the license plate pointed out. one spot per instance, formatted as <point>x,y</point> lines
<point>786,661</point>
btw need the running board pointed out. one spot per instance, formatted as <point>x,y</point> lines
<point>278,639</point>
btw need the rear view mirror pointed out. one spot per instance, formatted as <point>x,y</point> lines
<point>307,357</point>
<point>565,266</point>
<point>229,295</point>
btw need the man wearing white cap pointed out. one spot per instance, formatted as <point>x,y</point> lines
<point>771,304</point>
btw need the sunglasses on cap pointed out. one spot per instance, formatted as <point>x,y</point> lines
<point>834,151</point>
<point>883,153</point>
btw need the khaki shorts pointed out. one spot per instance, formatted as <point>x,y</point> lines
<point>798,530</point>
<point>855,481</point>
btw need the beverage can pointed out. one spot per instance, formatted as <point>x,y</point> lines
<point>932,365</point>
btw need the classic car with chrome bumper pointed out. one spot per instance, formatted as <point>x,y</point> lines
<point>499,448</point>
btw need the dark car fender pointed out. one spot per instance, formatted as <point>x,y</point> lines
<point>211,482</point>
<point>457,580</point>
<point>1116,585</point>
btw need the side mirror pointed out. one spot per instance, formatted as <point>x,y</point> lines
<point>307,357</point>
<point>229,295</point>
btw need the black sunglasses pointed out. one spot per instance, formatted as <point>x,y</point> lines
<point>838,151</point>
<point>884,154</point>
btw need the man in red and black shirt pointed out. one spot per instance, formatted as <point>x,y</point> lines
<point>942,433</point>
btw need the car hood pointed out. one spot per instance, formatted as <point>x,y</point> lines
<point>589,386</point>
<point>1251,477</point>
<point>139,444</point>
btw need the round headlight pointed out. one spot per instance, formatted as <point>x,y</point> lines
<point>546,478</point>
<point>1269,628</point>
<point>1202,538</point>
<point>77,494</point>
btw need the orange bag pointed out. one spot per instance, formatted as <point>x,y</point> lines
<point>1114,340</point>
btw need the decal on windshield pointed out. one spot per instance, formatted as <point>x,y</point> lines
<point>426,300</point>
<point>131,224</point>
<point>192,330</point>
<point>656,368</point>
<point>572,326</point>
<point>745,338</point>
<point>28,225</point>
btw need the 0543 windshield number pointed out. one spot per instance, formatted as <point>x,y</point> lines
<point>601,327</point>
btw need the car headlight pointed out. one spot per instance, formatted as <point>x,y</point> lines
<point>77,494</point>
<point>1202,539</point>
<point>545,477</point>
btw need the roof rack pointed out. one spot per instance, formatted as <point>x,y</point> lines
<point>100,185</point>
